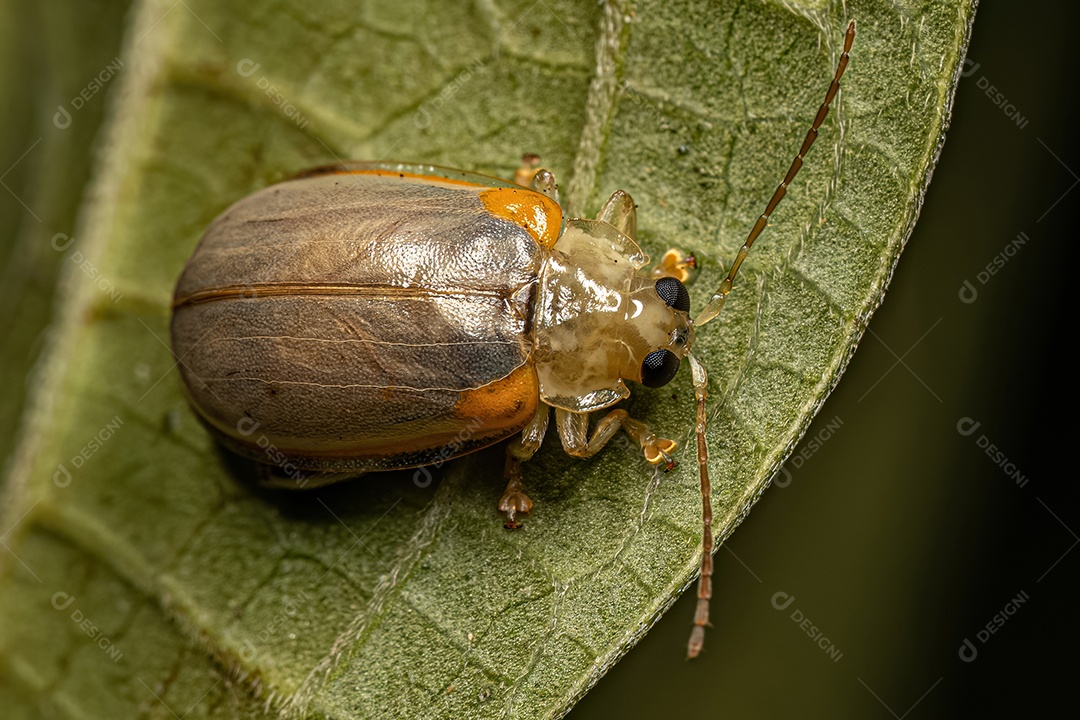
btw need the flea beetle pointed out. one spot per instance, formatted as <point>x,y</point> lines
<point>375,316</point>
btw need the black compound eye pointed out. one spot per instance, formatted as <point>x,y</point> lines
<point>674,293</point>
<point>659,367</point>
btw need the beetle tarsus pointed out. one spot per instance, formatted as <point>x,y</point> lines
<point>514,501</point>
<point>658,450</point>
<point>674,263</point>
<point>530,164</point>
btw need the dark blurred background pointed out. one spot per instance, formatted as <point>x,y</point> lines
<point>861,585</point>
<point>900,537</point>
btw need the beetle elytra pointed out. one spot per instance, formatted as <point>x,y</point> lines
<point>367,316</point>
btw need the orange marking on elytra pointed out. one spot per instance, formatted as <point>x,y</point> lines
<point>538,214</point>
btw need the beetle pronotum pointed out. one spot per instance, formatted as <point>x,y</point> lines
<point>369,316</point>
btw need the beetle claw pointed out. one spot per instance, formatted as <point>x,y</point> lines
<point>512,511</point>
<point>514,501</point>
<point>659,451</point>
<point>670,463</point>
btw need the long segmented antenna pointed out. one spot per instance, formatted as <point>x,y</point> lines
<point>704,588</point>
<point>701,382</point>
<point>716,303</point>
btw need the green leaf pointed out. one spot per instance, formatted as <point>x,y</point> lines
<point>44,166</point>
<point>143,575</point>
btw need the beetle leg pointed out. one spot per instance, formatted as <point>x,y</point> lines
<point>514,500</point>
<point>674,264</point>
<point>530,164</point>
<point>574,431</point>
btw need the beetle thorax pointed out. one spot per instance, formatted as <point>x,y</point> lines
<point>596,319</point>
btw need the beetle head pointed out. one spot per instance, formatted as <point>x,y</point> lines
<point>663,331</point>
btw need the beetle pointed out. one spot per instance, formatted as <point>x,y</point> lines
<point>376,316</point>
